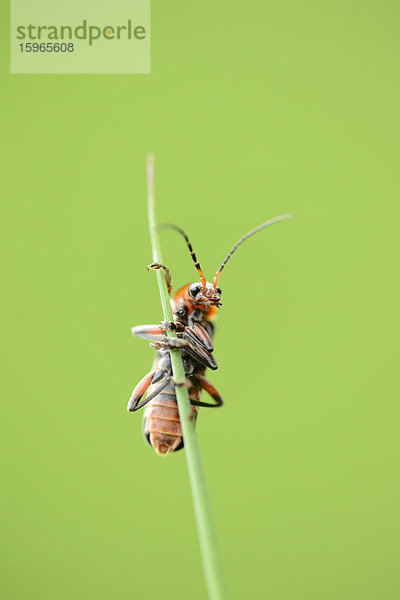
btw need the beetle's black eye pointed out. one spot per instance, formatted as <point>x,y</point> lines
<point>194,289</point>
<point>218,290</point>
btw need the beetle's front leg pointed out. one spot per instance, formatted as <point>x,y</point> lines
<point>172,326</point>
<point>153,333</point>
<point>200,345</point>
<point>195,341</point>
<point>167,274</point>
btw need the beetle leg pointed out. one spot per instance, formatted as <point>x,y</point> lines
<point>142,387</point>
<point>195,342</point>
<point>199,335</point>
<point>210,389</point>
<point>150,396</point>
<point>167,274</point>
<point>197,350</point>
<point>195,333</point>
<point>172,326</point>
<point>170,344</point>
<point>149,332</point>
<point>158,335</point>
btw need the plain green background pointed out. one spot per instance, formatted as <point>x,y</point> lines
<point>253,110</point>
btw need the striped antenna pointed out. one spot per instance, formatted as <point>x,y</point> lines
<point>189,245</point>
<point>236,246</point>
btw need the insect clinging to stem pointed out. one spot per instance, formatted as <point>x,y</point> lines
<point>194,308</point>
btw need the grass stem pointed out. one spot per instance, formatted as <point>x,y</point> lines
<point>205,527</point>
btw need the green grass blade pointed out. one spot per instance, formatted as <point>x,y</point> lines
<point>205,527</point>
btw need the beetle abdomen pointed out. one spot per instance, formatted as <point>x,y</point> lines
<point>161,424</point>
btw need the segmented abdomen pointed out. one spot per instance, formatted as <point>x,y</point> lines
<point>161,423</point>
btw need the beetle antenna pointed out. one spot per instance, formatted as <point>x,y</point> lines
<point>242,239</point>
<point>189,245</point>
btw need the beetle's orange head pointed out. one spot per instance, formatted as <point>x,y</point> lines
<point>209,295</point>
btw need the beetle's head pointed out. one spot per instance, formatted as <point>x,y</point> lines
<point>204,295</point>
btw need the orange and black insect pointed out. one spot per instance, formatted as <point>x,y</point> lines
<point>194,307</point>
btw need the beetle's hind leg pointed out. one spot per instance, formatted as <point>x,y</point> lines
<point>210,389</point>
<point>142,387</point>
<point>167,274</point>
